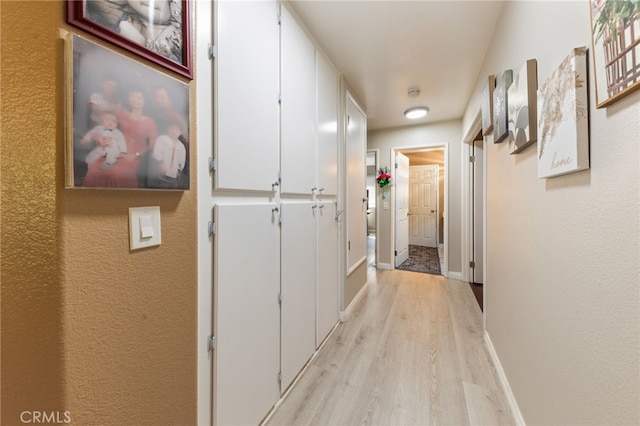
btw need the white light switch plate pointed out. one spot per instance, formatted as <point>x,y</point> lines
<point>139,222</point>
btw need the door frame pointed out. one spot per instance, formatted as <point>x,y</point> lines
<point>467,206</point>
<point>376,153</point>
<point>418,148</point>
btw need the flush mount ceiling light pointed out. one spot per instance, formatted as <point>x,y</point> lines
<point>416,112</point>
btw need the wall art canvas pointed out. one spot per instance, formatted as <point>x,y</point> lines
<point>523,121</point>
<point>615,38</point>
<point>127,123</point>
<point>500,111</point>
<point>158,30</point>
<point>563,128</point>
<point>486,103</point>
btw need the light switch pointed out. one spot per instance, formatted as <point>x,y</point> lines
<point>385,205</point>
<point>144,227</point>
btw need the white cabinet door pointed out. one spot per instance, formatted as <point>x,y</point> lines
<point>246,95</point>
<point>247,324</point>
<point>298,110</point>
<point>298,288</point>
<point>327,91</point>
<point>327,277</point>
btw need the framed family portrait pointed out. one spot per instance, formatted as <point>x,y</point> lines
<point>158,30</point>
<point>127,123</point>
<point>615,38</point>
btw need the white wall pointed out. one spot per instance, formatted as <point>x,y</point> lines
<point>562,296</point>
<point>449,133</point>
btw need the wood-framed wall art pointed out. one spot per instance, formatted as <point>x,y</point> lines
<point>486,104</point>
<point>127,123</point>
<point>158,30</point>
<point>523,114</point>
<point>500,107</point>
<point>615,40</point>
<point>563,118</point>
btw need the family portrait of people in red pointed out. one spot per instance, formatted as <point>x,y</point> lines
<point>130,123</point>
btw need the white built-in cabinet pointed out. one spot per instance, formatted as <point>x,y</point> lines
<point>298,113</point>
<point>298,251</point>
<point>247,78</point>
<point>276,278</point>
<point>247,273</point>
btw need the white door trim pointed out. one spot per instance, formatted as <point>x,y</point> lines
<point>204,132</point>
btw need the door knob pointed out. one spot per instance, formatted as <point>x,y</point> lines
<point>433,211</point>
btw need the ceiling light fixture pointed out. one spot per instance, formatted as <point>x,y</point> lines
<point>416,112</point>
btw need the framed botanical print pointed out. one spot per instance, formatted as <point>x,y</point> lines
<point>500,107</point>
<point>158,30</point>
<point>615,38</point>
<point>563,118</point>
<point>523,116</point>
<point>127,123</point>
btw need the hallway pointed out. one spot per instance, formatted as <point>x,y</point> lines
<point>411,353</point>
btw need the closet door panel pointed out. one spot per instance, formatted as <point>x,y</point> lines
<point>298,80</point>
<point>246,93</point>
<point>327,92</point>
<point>247,325</point>
<point>298,288</point>
<point>327,276</point>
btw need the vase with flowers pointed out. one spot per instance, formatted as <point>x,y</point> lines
<point>384,180</point>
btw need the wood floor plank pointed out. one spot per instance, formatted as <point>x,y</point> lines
<point>410,354</point>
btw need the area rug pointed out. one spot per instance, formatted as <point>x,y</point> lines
<point>422,259</point>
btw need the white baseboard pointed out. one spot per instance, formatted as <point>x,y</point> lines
<point>502,377</point>
<point>344,315</point>
<point>386,266</point>
<point>455,275</point>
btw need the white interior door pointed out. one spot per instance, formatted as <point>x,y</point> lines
<point>356,186</point>
<point>478,208</point>
<point>247,324</point>
<point>423,205</point>
<point>298,310</point>
<point>402,208</point>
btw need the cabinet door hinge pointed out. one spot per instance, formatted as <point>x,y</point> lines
<point>279,298</point>
<point>211,343</point>
<point>472,264</point>
<point>213,165</point>
<point>213,228</point>
<point>212,51</point>
<point>472,158</point>
<point>395,252</point>
<point>279,376</point>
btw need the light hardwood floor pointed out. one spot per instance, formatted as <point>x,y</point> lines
<point>410,354</point>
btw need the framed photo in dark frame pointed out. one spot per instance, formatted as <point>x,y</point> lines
<point>127,123</point>
<point>158,30</point>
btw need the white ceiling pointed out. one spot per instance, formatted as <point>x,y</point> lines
<point>383,48</point>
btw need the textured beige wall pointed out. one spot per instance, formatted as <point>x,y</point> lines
<point>88,327</point>
<point>563,273</point>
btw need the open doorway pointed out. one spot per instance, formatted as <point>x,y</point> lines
<point>420,226</point>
